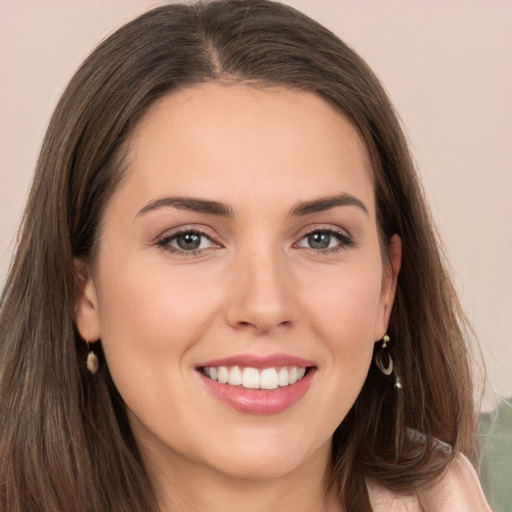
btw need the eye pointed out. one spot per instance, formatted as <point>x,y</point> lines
<point>189,241</point>
<point>325,239</point>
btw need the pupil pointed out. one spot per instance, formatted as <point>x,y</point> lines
<point>319,240</point>
<point>189,241</point>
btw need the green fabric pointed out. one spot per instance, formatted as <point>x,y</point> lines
<point>495,443</point>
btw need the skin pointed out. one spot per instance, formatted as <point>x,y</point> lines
<point>255,286</point>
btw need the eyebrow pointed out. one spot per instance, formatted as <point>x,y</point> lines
<point>326,203</point>
<point>224,210</point>
<point>190,204</point>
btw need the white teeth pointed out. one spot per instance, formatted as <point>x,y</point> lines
<point>282,378</point>
<point>268,379</point>
<point>222,374</point>
<point>252,378</point>
<point>235,376</point>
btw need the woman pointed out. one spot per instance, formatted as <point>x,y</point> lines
<point>227,292</point>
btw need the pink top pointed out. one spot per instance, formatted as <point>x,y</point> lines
<point>458,491</point>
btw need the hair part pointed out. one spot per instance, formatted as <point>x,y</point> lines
<point>65,439</point>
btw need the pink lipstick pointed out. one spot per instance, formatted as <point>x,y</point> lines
<point>255,384</point>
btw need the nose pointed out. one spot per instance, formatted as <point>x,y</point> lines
<point>261,297</point>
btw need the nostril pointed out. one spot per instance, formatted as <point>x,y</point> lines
<point>263,325</point>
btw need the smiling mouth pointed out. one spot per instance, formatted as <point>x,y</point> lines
<point>255,378</point>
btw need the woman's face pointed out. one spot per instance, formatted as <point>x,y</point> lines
<point>242,245</point>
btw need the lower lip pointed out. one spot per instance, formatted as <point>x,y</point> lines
<point>260,401</point>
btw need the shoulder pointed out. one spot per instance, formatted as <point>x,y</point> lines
<point>457,491</point>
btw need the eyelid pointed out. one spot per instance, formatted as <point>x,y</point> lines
<point>330,228</point>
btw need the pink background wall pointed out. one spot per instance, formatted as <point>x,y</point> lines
<point>447,66</point>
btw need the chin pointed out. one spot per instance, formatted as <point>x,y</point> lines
<point>259,468</point>
<point>265,461</point>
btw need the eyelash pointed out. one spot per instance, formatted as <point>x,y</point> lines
<point>345,241</point>
<point>166,240</point>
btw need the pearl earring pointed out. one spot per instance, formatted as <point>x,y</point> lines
<point>92,362</point>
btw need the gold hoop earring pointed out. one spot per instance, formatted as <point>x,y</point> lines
<point>386,369</point>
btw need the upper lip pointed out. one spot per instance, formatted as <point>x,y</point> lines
<point>258,361</point>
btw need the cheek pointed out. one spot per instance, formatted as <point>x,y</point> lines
<point>341,312</point>
<point>149,319</point>
<point>343,316</point>
<point>150,299</point>
<point>345,307</point>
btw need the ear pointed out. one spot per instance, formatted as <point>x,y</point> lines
<point>391,269</point>
<point>87,313</point>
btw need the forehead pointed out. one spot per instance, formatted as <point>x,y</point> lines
<point>206,136</point>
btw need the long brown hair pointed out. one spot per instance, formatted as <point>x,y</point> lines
<point>65,441</point>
